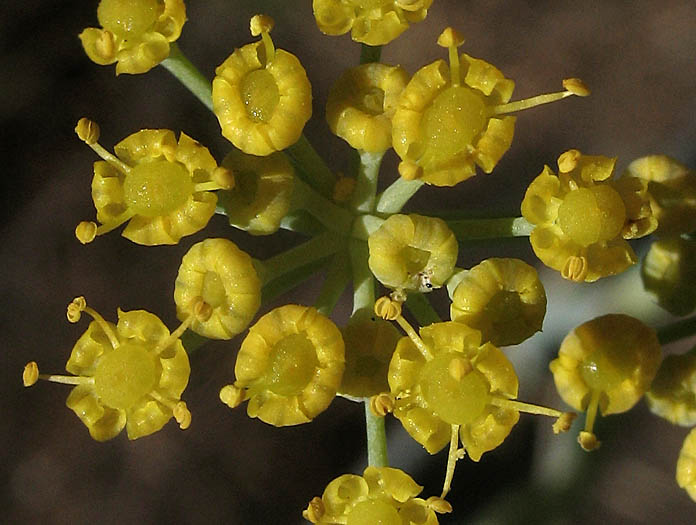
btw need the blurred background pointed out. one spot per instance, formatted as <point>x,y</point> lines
<point>638,58</point>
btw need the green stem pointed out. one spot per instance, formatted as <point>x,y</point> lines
<point>376,438</point>
<point>182,68</point>
<point>335,283</point>
<point>677,330</point>
<point>291,280</point>
<point>363,280</point>
<point>370,54</point>
<point>397,195</point>
<point>311,166</point>
<point>421,309</point>
<point>477,229</point>
<point>365,193</point>
<point>333,217</point>
<point>312,250</point>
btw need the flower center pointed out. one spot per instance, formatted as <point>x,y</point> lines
<point>373,511</point>
<point>260,95</point>
<point>590,215</point>
<point>504,307</point>
<point>128,17</point>
<point>453,390</point>
<point>213,291</point>
<point>450,124</point>
<point>414,259</point>
<point>293,361</point>
<point>371,102</point>
<point>124,375</point>
<point>606,368</point>
<point>157,188</point>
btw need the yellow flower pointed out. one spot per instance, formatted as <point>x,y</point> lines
<point>261,95</point>
<point>606,363</point>
<point>372,22</point>
<point>262,193</point>
<point>446,386</point>
<point>130,374</point>
<point>223,276</point>
<point>289,366</point>
<point>451,119</point>
<point>370,343</point>
<point>686,465</point>
<point>362,102</point>
<point>673,391</point>
<point>672,192</point>
<point>669,274</point>
<point>502,298</point>
<point>135,34</point>
<point>163,188</point>
<point>412,252</point>
<point>582,217</point>
<point>381,495</point>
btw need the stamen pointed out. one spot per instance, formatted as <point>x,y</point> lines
<point>224,178</point>
<point>262,25</point>
<point>572,89</point>
<point>182,415</point>
<point>588,441</point>
<point>88,131</point>
<point>381,404</point>
<point>201,310</point>
<point>575,268</point>
<point>80,305</point>
<point>209,186</point>
<point>31,376</point>
<point>455,453</point>
<point>411,333</point>
<point>439,505</point>
<point>451,39</point>
<point>525,407</point>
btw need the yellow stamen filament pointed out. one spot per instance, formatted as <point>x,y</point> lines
<point>527,103</point>
<point>411,333</point>
<point>591,414</point>
<point>106,328</point>
<point>268,45</point>
<point>525,407</point>
<point>455,453</point>
<point>67,380</point>
<point>176,334</point>
<point>110,158</point>
<point>454,65</point>
<point>451,39</point>
<point>209,186</point>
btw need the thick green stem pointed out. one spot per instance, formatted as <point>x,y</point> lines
<point>335,283</point>
<point>677,330</point>
<point>333,217</point>
<point>397,195</point>
<point>376,439</point>
<point>365,193</point>
<point>180,66</point>
<point>478,229</point>
<point>314,249</point>
<point>311,167</point>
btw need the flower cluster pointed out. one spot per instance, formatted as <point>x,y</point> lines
<point>447,382</point>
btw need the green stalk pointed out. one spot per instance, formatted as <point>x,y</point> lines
<point>291,280</point>
<point>677,330</point>
<point>335,283</point>
<point>397,195</point>
<point>312,250</point>
<point>311,166</point>
<point>478,229</point>
<point>376,438</point>
<point>182,68</point>
<point>325,211</point>
<point>421,309</point>
<point>363,280</point>
<point>365,194</point>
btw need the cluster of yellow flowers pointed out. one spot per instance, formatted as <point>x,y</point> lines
<point>447,382</point>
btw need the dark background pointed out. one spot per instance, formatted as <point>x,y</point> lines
<point>638,57</point>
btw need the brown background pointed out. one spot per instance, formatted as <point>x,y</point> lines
<point>637,56</point>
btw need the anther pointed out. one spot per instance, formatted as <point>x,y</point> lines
<point>86,231</point>
<point>381,404</point>
<point>564,422</point>
<point>588,441</point>
<point>182,415</point>
<point>315,510</point>
<point>410,170</point>
<point>387,308</point>
<point>439,505</point>
<point>75,309</point>
<point>87,130</point>
<point>31,374</point>
<point>568,160</point>
<point>261,24</point>
<point>575,269</point>
<point>232,395</point>
<point>576,87</point>
<point>450,37</point>
<point>224,178</point>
